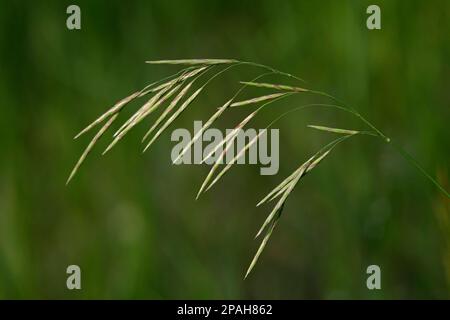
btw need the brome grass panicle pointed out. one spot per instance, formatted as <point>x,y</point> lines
<point>176,87</point>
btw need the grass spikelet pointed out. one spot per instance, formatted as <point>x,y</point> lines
<point>285,188</point>
<point>283,198</point>
<point>91,145</point>
<point>148,107</point>
<point>274,193</point>
<point>116,108</point>
<point>193,61</point>
<point>334,130</point>
<point>233,161</point>
<point>173,117</point>
<point>208,123</point>
<point>181,76</point>
<point>126,123</point>
<point>160,87</point>
<point>228,142</point>
<point>155,105</point>
<point>317,160</point>
<point>136,115</point>
<point>258,99</point>
<point>191,74</point>
<point>313,162</point>
<point>230,135</point>
<point>261,247</point>
<point>274,86</point>
<point>172,105</point>
<point>154,102</point>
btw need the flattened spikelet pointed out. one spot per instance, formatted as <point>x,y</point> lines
<point>233,161</point>
<point>192,73</point>
<point>261,248</point>
<point>258,99</point>
<point>150,87</point>
<point>334,130</point>
<point>230,135</point>
<point>173,117</point>
<point>274,86</point>
<point>91,145</point>
<point>281,186</point>
<point>185,75</point>
<point>208,123</point>
<point>283,198</point>
<point>153,107</point>
<point>116,108</point>
<point>193,61</point>
<point>284,189</point>
<point>146,109</point>
<point>168,110</point>
<point>227,141</point>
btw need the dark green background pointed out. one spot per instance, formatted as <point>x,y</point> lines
<point>130,221</point>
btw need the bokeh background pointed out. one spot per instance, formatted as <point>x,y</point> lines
<point>130,221</point>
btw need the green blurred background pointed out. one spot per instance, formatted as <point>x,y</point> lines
<point>130,221</point>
